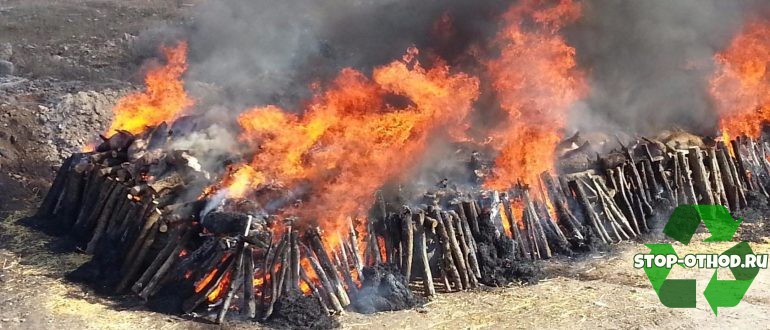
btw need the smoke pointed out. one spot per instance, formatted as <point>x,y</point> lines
<point>649,62</point>
<point>268,52</point>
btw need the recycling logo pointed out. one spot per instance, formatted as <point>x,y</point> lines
<point>681,226</point>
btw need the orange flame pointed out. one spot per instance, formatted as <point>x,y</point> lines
<point>200,285</point>
<point>352,137</point>
<point>305,264</point>
<point>506,221</point>
<point>164,98</point>
<point>517,208</point>
<point>221,288</point>
<point>536,80</point>
<point>741,85</point>
<point>381,245</point>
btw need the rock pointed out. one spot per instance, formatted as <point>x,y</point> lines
<point>6,51</point>
<point>6,68</point>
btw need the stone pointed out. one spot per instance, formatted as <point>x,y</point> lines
<point>6,51</point>
<point>6,68</point>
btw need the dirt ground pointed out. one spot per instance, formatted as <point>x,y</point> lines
<point>85,44</point>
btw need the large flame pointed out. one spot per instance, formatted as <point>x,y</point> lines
<point>353,136</point>
<point>164,98</point>
<point>741,85</point>
<point>536,80</point>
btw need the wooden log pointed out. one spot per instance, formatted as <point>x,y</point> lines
<point>637,180</point>
<point>168,182</point>
<point>91,194</point>
<point>429,289</point>
<point>407,233</point>
<point>470,242</point>
<point>614,209</point>
<point>465,249</point>
<point>652,181</point>
<point>235,279</point>
<point>314,238</point>
<point>548,223</point>
<point>681,196</point>
<point>646,186</point>
<point>447,262</point>
<point>345,252</point>
<point>759,174</point>
<point>134,217</point>
<point>117,197</point>
<point>520,240</point>
<point>71,199</point>
<point>105,193</point>
<point>223,269</point>
<point>235,282</point>
<point>372,246</point>
<point>741,167</point>
<point>622,197</point>
<point>277,278</point>
<point>593,218</point>
<point>133,262</point>
<point>559,201</point>
<point>472,216</point>
<point>457,254</point>
<point>294,255</point>
<point>334,301</point>
<point>53,195</point>
<point>544,251</point>
<point>273,257</point>
<point>445,280</point>
<point>344,269</point>
<point>147,284</point>
<point>249,306</point>
<point>686,173</point>
<point>305,278</point>
<point>354,247</point>
<point>656,167</point>
<point>716,180</point>
<point>148,228</point>
<point>119,213</point>
<point>529,233</point>
<point>736,179</point>
<point>731,189</point>
<point>700,176</point>
<point>605,202</point>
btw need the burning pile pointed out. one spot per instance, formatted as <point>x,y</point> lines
<point>300,214</point>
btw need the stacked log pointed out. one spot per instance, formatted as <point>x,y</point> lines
<point>125,204</point>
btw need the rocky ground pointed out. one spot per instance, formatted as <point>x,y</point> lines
<point>63,63</point>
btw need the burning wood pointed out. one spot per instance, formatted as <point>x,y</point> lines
<point>129,216</point>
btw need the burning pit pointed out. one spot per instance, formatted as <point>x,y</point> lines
<point>388,185</point>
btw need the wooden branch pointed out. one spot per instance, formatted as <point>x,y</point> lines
<point>448,264</point>
<point>162,263</point>
<point>314,239</point>
<point>422,249</point>
<point>407,233</point>
<point>457,254</point>
<point>325,281</point>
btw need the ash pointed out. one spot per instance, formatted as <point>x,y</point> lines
<point>384,289</point>
<point>297,311</point>
<point>497,259</point>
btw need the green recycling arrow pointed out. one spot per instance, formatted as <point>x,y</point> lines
<point>685,220</point>
<point>672,293</point>
<point>682,225</point>
<point>728,293</point>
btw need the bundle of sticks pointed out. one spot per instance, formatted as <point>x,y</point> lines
<point>128,203</point>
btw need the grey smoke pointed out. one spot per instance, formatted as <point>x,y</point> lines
<point>650,62</point>
<point>267,52</point>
